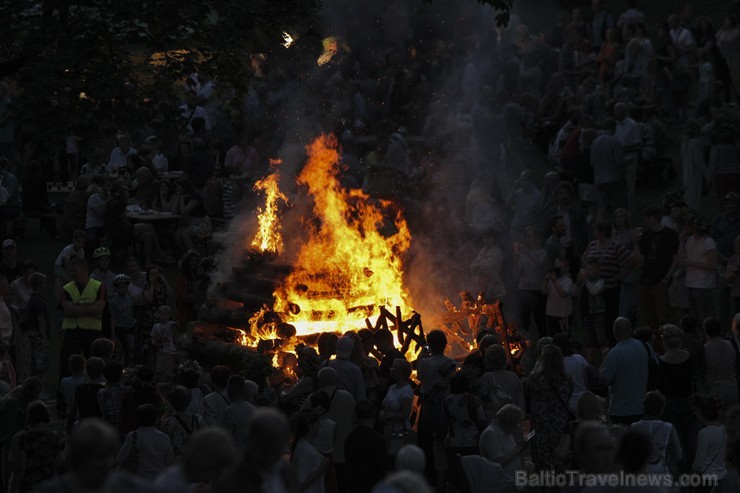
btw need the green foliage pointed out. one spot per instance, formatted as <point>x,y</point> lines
<point>503,9</point>
<point>86,66</point>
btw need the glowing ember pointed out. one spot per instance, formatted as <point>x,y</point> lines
<point>268,237</point>
<point>347,268</point>
<point>287,39</point>
<point>331,46</point>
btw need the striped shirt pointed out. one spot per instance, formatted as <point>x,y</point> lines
<point>611,260</point>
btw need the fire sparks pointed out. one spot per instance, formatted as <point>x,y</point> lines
<point>347,268</point>
<point>332,45</point>
<point>287,39</point>
<point>268,237</point>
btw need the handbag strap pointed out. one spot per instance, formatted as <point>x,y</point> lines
<point>724,432</point>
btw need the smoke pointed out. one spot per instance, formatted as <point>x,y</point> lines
<point>449,55</point>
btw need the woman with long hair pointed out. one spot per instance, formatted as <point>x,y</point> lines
<point>677,369</point>
<point>549,389</point>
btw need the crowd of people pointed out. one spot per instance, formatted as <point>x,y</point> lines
<point>533,146</point>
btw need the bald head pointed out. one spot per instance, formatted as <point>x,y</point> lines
<point>622,329</point>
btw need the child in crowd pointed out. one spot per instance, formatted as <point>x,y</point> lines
<point>76,249</point>
<point>123,320</point>
<point>86,394</point>
<point>559,305</point>
<point>68,385</point>
<point>109,397</point>
<point>102,257</point>
<point>162,338</point>
<point>593,307</point>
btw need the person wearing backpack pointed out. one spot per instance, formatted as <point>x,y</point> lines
<point>499,386</point>
<point>465,418</point>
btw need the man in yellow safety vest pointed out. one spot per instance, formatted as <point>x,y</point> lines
<point>83,305</point>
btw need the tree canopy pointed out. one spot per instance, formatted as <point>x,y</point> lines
<point>98,63</point>
<point>91,66</point>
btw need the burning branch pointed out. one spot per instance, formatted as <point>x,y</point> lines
<point>287,39</point>
<point>467,320</point>
<point>268,237</point>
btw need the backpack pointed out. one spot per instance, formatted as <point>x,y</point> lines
<point>493,395</point>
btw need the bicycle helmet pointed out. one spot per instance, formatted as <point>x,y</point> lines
<point>121,279</point>
<point>101,252</point>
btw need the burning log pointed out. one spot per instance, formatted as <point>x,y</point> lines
<point>411,335</point>
<point>467,320</point>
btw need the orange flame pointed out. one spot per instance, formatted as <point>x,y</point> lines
<point>287,39</point>
<point>331,45</point>
<point>268,237</point>
<point>347,268</point>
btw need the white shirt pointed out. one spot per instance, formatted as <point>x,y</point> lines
<point>305,461</point>
<point>153,449</point>
<point>494,444</point>
<point>234,420</point>
<point>160,162</point>
<point>392,402</point>
<point>349,377</point>
<point>684,42</point>
<point>557,305</point>
<point>629,134</point>
<point>188,114</point>
<point>696,250</point>
<point>531,269</point>
<point>118,159</point>
<point>526,204</point>
<point>710,451</point>
<point>165,332</point>
<point>95,212</point>
<point>67,254</point>
<point>214,405</point>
